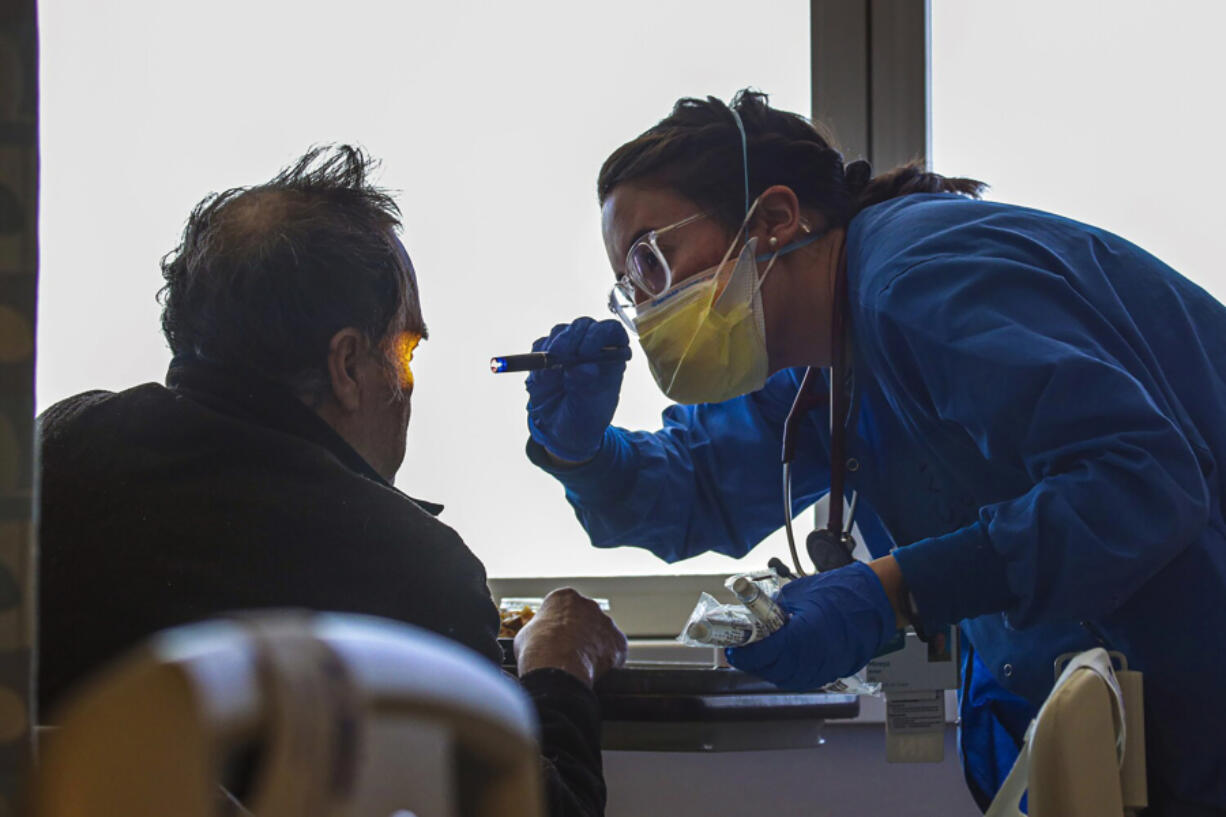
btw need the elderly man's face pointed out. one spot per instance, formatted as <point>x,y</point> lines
<point>391,410</point>
<point>372,382</point>
<point>385,413</point>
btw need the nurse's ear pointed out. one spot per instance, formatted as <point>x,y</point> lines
<point>777,219</point>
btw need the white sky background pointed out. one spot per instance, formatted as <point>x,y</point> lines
<point>492,120</point>
<point>1107,111</point>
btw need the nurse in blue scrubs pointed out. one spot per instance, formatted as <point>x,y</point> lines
<point>1030,413</point>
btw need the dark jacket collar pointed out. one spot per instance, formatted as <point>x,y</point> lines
<point>247,396</point>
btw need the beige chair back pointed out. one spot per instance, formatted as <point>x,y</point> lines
<point>1084,752</point>
<point>331,715</point>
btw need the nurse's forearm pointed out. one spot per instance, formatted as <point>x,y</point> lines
<point>558,462</point>
<point>890,576</point>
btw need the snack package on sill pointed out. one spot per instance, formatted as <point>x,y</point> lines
<point>515,612</point>
<point>713,624</point>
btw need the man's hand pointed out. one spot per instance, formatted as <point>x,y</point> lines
<point>571,633</point>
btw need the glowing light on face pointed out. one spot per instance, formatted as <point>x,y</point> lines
<point>402,350</point>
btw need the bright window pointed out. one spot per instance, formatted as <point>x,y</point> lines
<point>1106,112</point>
<point>491,118</point>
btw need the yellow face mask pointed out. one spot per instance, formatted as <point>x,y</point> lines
<point>706,340</point>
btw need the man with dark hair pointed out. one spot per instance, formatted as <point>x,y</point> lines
<point>261,474</point>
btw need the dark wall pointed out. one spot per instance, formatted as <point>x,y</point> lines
<point>845,777</point>
<point>18,287</point>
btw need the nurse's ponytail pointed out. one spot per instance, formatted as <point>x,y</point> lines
<point>901,181</point>
<point>696,150</point>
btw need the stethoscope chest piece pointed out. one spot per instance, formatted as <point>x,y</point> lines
<point>829,550</point>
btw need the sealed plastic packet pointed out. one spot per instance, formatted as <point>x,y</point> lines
<point>720,625</point>
<point>713,624</point>
<point>854,685</point>
<point>757,592</point>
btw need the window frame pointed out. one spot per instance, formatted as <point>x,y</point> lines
<point>870,65</point>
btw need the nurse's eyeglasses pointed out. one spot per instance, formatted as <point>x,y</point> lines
<point>647,272</point>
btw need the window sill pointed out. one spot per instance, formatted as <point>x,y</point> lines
<point>644,607</point>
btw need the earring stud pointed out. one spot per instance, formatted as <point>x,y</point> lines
<point>773,242</point>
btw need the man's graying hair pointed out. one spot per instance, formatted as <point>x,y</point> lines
<point>696,151</point>
<point>266,275</point>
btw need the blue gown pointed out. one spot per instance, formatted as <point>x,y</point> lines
<point>1041,413</point>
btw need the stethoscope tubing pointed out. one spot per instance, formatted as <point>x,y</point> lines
<point>839,411</point>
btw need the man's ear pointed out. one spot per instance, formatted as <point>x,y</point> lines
<point>345,352</point>
<point>778,215</point>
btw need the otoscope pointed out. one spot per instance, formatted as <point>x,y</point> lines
<point>531,361</point>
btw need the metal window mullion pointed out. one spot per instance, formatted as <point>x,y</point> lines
<point>870,77</point>
<point>840,72</point>
<point>899,109</point>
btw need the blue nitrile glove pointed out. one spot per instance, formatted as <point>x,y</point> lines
<point>570,408</point>
<point>839,619</point>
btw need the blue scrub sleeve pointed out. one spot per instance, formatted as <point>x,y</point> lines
<point>1039,380</point>
<point>709,480</point>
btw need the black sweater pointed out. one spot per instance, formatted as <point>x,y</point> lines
<point>165,505</point>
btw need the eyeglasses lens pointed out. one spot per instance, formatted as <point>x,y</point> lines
<point>621,303</point>
<point>646,269</point>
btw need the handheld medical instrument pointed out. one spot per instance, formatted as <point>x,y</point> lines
<point>764,608</point>
<point>531,361</point>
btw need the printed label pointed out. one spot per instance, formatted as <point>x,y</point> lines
<point>915,711</point>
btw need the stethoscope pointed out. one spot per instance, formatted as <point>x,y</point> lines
<point>831,546</point>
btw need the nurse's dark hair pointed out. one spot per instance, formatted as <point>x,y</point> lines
<point>696,150</point>
<point>264,276</point>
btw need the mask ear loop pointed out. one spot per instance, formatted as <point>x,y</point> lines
<point>769,266</point>
<point>717,290</point>
<point>809,238</point>
<point>740,126</point>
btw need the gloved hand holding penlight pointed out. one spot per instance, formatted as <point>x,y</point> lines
<point>570,406</point>
<point>532,361</point>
